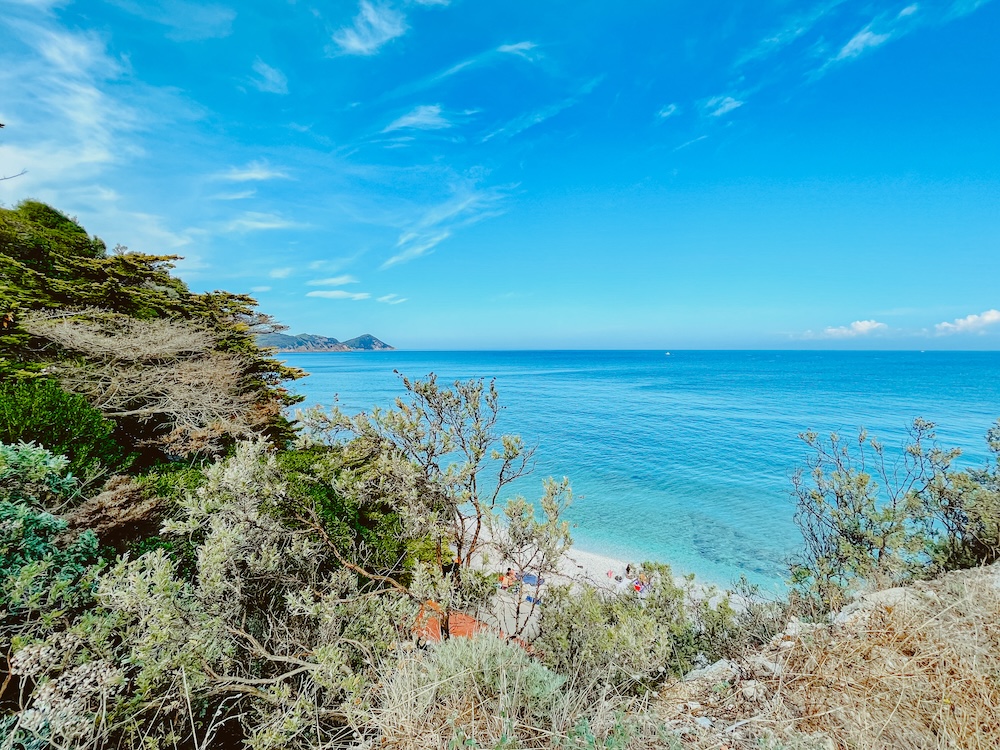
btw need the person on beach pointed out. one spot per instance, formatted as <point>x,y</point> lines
<point>507,579</point>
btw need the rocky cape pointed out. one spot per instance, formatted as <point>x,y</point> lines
<point>308,342</point>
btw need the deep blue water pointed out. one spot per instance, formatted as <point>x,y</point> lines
<point>688,458</point>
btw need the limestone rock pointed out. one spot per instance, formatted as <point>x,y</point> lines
<point>724,670</point>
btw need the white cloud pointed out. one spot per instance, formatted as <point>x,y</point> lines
<point>720,105</point>
<point>260,289</point>
<point>339,294</point>
<point>255,171</point>
<point>333,281</point>
<point>255,221</point>
<point>863,40</point>
<point>67,119</point>
<point>432,2</point>
<point>425,117</point>
<point>909,10</point>
<point>521,49</point>
<point>857,328</point>
<point>373,26</point>
<point>268,79</point>
<point>280,273</point>
<point>667,111</point>
<point>416,245</point>
<point>392,299</point>
<point>529,120</point>
<point>970,323</point>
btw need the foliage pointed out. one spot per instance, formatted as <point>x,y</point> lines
<point>869,520</point>
<point>967,505</point>
<point>460,674</point>
<point>624,641</point>
<point>368,531</point>
<point>33,475</point>
<point>429,456</point>
<point>43,572</point>
<point>43,575</point>
<point>269,627</point>
<point>52,272</point>
<point>39,410</point>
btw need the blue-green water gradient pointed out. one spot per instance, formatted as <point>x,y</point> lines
<point>688,458</point>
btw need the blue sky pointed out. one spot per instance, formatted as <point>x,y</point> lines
<point>534,175</point>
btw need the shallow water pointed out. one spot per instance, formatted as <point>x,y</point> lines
<point>688,458</point>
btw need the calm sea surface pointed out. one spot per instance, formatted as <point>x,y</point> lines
<point>688,458</point>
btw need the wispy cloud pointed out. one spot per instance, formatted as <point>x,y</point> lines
<point>863,40</point>
<point>425,117</point>
<point>255,171</point>
<point>333,281</point>
<point>373,27</point>
<point>668,111</point>
<point>268,79</point>
<point>521,49</point>
<point>529,120</point>
<point>280,273</point>
<point>691,142</point>
<point>720,105</point>
<point>238,196</point>
<point>970,323</point>
<point>256,221</point>
<point>793,28</point>
<point>855,329</point>
<point>186,21</point>
<point>884,28</point>
<point>63,110</point>
<point>338,294</point>
<point>392,299</point>
<point>467,206</point>
<point>260,289</point>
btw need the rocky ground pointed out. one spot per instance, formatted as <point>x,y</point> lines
<point>910,668</point>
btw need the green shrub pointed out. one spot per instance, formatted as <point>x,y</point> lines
<point>967,505</point>
<point>869,519</point>
<point>369,533</point>
<point>42,574</point>
<point>40,411</point>
<point>629,642</point>
<point>31,474</point>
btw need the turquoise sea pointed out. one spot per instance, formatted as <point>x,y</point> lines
<point>688,458</point>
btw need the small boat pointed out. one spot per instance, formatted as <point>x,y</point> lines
<point>667,354</point>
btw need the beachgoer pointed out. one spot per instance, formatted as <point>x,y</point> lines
<point>628,571</point>
<point>507,579</point>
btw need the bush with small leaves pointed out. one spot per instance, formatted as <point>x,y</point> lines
<point>627,642</point>
<point>39,411</point>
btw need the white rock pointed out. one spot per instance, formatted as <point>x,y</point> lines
<point>724,670</point>
<point>761,666</point>
<point>752,690</point>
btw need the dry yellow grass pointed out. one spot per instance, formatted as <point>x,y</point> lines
<point>904,669</point>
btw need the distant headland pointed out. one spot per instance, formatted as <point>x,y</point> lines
<point>309,342</point>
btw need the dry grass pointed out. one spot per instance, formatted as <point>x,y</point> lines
<point>906,669</point>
